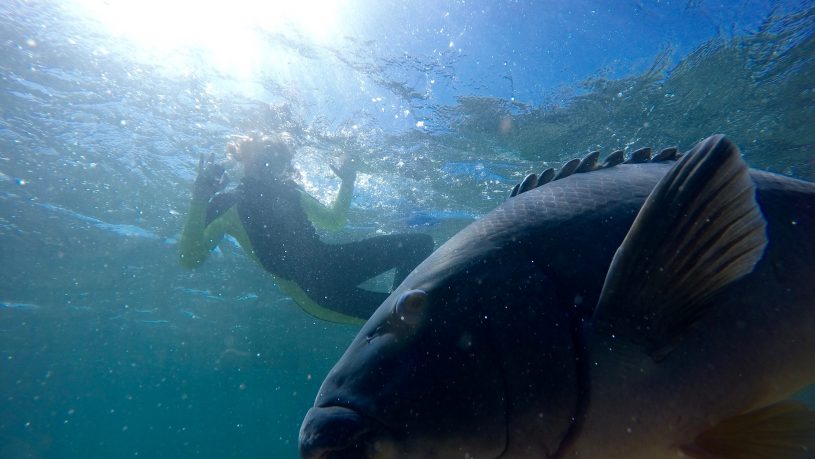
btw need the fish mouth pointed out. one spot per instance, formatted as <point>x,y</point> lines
<point>336,432</point>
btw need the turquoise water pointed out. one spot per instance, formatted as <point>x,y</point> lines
<point>109,349</point>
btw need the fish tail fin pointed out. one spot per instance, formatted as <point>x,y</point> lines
<point>784,430</point>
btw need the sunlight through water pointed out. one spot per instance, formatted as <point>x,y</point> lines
<point>224,36</point>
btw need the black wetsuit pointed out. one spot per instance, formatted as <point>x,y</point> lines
<point>287,245</point>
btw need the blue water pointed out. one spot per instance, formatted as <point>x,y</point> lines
<point>109,349</point>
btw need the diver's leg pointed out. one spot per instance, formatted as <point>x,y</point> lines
<point>362,260</point>
<point>355,302</point>
<point>334,281</point>
<point>417,248</point>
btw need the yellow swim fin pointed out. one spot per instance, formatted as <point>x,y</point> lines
<point>308,305</point>
<point>784,430</point>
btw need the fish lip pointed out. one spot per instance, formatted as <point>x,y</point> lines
<point>354,405</point>
<point>346,437</point>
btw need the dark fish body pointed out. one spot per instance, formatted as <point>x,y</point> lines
<point>504,357</point>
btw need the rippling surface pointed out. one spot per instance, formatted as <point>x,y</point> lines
<point>109,349</point>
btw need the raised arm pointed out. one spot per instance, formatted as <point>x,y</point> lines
<point>198,238</point>
<point>334,217</point>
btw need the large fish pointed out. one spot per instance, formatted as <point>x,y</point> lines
<point>654,310</point>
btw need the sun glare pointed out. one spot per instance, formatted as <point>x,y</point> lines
<point>229,34</point>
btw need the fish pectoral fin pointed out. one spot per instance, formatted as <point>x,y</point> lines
<point>699,230</point>
<point>784,430</point>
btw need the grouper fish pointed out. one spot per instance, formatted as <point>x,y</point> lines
<point>652,308</point>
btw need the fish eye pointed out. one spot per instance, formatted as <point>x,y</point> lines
<point>410,306</point>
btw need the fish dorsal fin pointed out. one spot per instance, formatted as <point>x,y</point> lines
<point>532,181</point>
<point>699,230</point>
<point>665,155</point>
<point>529,182</point>
<point>613,159</point>
<point>546,176</point>
<point>784,430</point>
<point>589,163</point>
<point>567,169</point>
<point>643,155</point>
<point>514,191</point>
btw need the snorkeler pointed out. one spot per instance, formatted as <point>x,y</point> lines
<point>272,218</point>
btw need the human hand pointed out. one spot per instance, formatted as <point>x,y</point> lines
<point>347,170</point>
<point>211,178</point>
